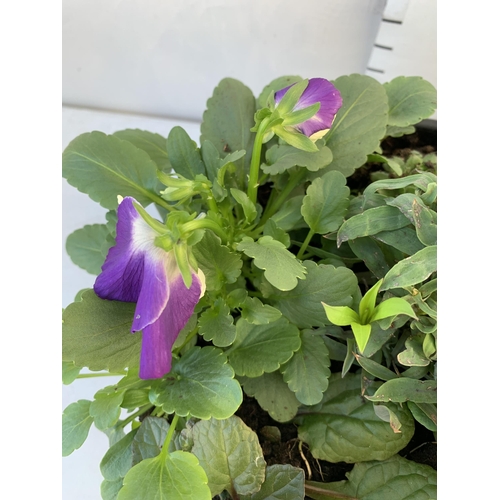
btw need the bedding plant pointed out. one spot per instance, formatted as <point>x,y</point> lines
<point>248,272</point>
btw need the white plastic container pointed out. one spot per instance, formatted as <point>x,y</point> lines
<point>165,57</point>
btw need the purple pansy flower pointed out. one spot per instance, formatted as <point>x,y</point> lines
<point>318,90</point>
<point>136,270</point>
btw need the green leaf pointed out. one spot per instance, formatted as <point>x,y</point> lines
<point>394,131</point>
<point>281,268</point>
<point>177,476</point>
<point>307,372</point>
<point>70,372</point>
<point>425,221</point>
<point>413,355</point>
<point>411,99</point>
<point>370,222</point>
<point>148,442</point>
<point>400,390</point>
<point>283,482</point>
<point>367,303</point>
<point>420,181</point>
<point>104,167</point>
<point>228,119</point>
<point>393,479</point>
<point>360,124</point>
<point>257,313</point>
<point>386,413</point>
<point>118,459</point>
<point>273,395</point>
<point>289,216</point>
<point>345,428</point>
<point>200,384</point>
<point>262,348</point>
<point>276,233</point>
<point>412,270</point>
<point>424,413</point>
<point>153,144</point>
<point>84,247</point>
<point>341,315</point>
<point>361,334</point>
<point>326,203</point>
<point>374,368</point>
<point>372,254</point>
<point>217,324</point>
<point>249,208</point>
<point>184,154</point>
<point>324,283</point>
<point>76,422</point>
<point>392,307</point>
<point>392,164</point>
<point>230,454</point>
<point>295,139</point>
<point>277,84</point>
<point>105,409</point>
<point>281,157</point>
<point>110,489</point>
<point>96,334</point>
<point>404,239</point>
<point>217,262</point>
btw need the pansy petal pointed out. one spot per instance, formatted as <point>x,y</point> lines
<point>122,271</point>
<point>155,288</point>
<point>318,90</point>
<point>159,337</point>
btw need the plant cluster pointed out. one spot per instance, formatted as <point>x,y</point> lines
<point>246,267</point>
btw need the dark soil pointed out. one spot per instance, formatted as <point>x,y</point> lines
<point>285,449</point>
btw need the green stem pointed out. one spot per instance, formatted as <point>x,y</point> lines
<point>207,224</point>
<point>293,182</point>
<point>138,413</point>
<point>305,244</point>
<point>170,433</point>
<point>188,339</point>
<point>93,375</point>
<point>326,493</point>
<point>253,179</point>
<point>160,201</point>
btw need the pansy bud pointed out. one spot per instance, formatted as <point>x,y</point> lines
<point>318,91</point>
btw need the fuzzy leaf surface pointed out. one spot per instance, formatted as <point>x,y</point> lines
<point>118,459</point>
<point>273,395</point>
<point>230,454</point>
<point>344,428</point>
<point>103,166</point>
<point>281,157</point>
<point>326,203</point>
<point>411,99</point>
<point>283,482</point>
<point>200,384</point>
<point>178,476</point>
<point>323,283</point>
<point>155,145</point>
<point>412,270</point>
<point>229,117</point>
<point>76,422</point>
<point>400,390</point>
<point>217,324</point>
<point>281,268</point>
<point>217,262</point>
<point>96,334</point>
<point>360,123</point>
<point>392,479</point>
<point>105,409</point>
<point>307,372</point>
<point>371,222</point>
<point>184,155</point>
<point>149,439</point>
<point>84,246</point>
<point>262,348</point>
